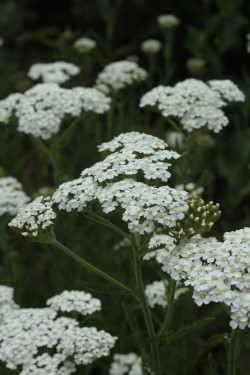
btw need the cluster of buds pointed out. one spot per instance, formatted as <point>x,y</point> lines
<point>199,218</point>
<point>196,65</point>
<point>168,21</point>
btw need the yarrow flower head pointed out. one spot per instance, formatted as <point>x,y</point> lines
<point>12,196</point>
<point>126,364</point>
<point>151,46</point>
<point>56,72</point>
<point>51,343</point>
<point>84,45</point>
<point>112,182</point>
<point>118,75</point>
<point>35,219</point>
<point>41,109</point>
<point>156,293</point>
<point>194,103</point>
<point>69,301</point>
<point>168,21</point>
<point>217,271</point>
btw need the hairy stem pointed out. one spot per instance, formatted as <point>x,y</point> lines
<point>169,314</point>
<point>99,219</point>
<point>232,352</point>
<point>89,266</point>
<point>145,309</point>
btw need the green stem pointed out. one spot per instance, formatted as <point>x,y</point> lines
<point>99,219</point>
<point>232,351</point>
<point>173,124</point>
<point>110,118</point>
<point>89,266</point>
<point>169,314</point>
<point>146,310</point>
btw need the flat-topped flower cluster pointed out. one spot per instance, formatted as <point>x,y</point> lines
<point>35,218</point>
<point>42,341</point>
<point>119,75</point>
<point>217,271</point>
<point>126,179</point>
<point>126,364</point>
<point>12,196</point>
<point>41,109</point>
<point>56,72</point>
<point>195,104</point>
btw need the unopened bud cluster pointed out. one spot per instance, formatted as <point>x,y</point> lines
<point>199,218</point>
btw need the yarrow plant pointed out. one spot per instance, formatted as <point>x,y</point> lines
<point>34,219</point>
<point>151,46</point>
<point>163,223</point>
<point>50,342</point>
<point>168,21</point>
<point>41,109</point>
<point>113,182</point>
<point>84,45</point>
<point>119,75</point>
<point>195,104</point>
<point>217,271</point>
<point>126,364</point>
<point>12,196</point>
<point>57,72</point>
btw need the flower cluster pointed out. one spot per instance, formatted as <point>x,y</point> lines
<point>56,72</point>
<point>194,103</point>
<point>156,293</point>
<point>7,303</point>
<point>126,364</point>
<point>119,75</point>
<point>41,109</point>
<point>168,21</point>
<point>84,45</point>
<point>114,183</point>
<point>12,196</point>
<point>38,341</point>
<point>80,302</point>
<point>217,271</point>
<point>34,219</point>
<point>151,46</point>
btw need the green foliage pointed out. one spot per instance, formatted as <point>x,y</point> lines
<point>44,31</point>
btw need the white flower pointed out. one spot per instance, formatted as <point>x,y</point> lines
<point>174,139</point>
<point>39,342</point>
<point>84,45</point>
<point>126,364</point>
<point>112,183</point>
<point>168,21</point>
<point>156,293</point>
<point>35,218</point>
<point>41,109</point>
<point>56,72</point>
<point>217,271</point>
<point>119,75</point>
<point>12,196</point>
<point>194,103</point>
<point>151,46</point>
<point>227,89</point>
<point>78,301</point>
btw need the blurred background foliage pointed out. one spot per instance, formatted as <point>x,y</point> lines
<point>44,31</point>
